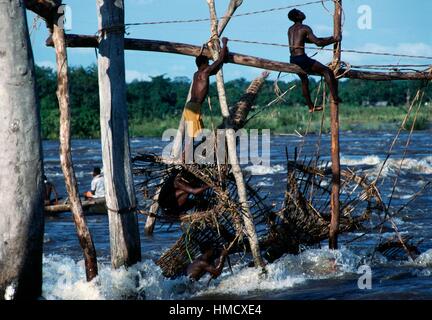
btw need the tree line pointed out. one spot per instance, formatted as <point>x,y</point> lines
<point>164,98</point>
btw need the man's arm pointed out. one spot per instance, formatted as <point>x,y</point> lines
<point>179,184</point>
<point>216,271</point>
<point>217,65</point>
<point>320,42</point>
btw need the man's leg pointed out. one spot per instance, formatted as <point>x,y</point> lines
<point>305,90</point>
<point>329,78</point>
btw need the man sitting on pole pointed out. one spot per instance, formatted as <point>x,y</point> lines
<point>298,35</point>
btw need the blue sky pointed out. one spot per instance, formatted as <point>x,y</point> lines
<point>398,26</point>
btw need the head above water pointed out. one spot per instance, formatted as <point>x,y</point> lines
<point>202,61</point>
<point>96,171</point>
<point>296,15</point>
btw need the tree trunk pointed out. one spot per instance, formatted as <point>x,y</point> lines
<point>119,186</point>
<point>21,197</point>
<point>231,144</point>
<point>335,150</point>
<point>83,232</point>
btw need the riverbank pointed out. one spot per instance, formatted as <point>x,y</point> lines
<point>283,120</point>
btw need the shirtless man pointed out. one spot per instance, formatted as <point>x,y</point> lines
<point>174,194</point>
<point>206,263</point>
<point>200,88</point>
<point>298,35</point>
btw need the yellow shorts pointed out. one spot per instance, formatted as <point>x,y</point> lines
<point>193,120</point>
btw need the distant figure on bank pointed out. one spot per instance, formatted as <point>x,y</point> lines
<point>174,196</point>
<point>97,185</point>
<point>298,35</point>
<point>208,262</point>
<point>49,189</point>
<point>200,89</point>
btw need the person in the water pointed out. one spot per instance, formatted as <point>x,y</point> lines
<point>174,196</point>
<point>208,262</point>
<point>298,35</point>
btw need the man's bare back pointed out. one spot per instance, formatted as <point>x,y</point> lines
<point>200,86</point>
<point>299,34</point>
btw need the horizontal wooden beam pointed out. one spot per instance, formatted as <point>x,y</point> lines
<point>47,9</point>
<point>87,41</point>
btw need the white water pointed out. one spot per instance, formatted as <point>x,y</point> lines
<point>64,278</point>
<point>391,167</point>
<point>263,170</point>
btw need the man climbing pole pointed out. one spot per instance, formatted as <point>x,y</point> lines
<point>298,35</point>
<point>200,88</point>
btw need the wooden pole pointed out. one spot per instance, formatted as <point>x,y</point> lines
<point>21,196</point>
<point>119,186</point>
<point>86,41</point>
<point>334,124</point>
<point>231,144</point>
<point>83,231</point>
<point>178,141</point>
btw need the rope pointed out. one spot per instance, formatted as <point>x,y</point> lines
<point>327,49</point>
<point>232,16</point>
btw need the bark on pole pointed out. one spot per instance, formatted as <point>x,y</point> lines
<point>335,150</point>
<point>84,236</point>
<point>21,197</point>
<point>119,186</point>
<point>231,144</point>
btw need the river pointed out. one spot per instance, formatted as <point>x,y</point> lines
<point>305,276</point>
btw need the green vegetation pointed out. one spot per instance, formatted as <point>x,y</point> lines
<point>156,105</point>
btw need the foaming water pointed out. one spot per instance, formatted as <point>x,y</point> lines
<point>64,278</point>
<point>372,160</point>
<point>263,170</point>
<point>287,272</point>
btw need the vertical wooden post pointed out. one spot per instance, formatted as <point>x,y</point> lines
<point>231,144</point>
<point>119,186</point>
<point>21,196</point>
<point>335,150</point>
<point>83,232</point>
<point>178,141</point>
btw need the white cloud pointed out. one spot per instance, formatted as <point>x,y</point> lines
<point>178,69</point>
<point>415,49</point>
<point>132,75</point>
<point>46,64</point>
